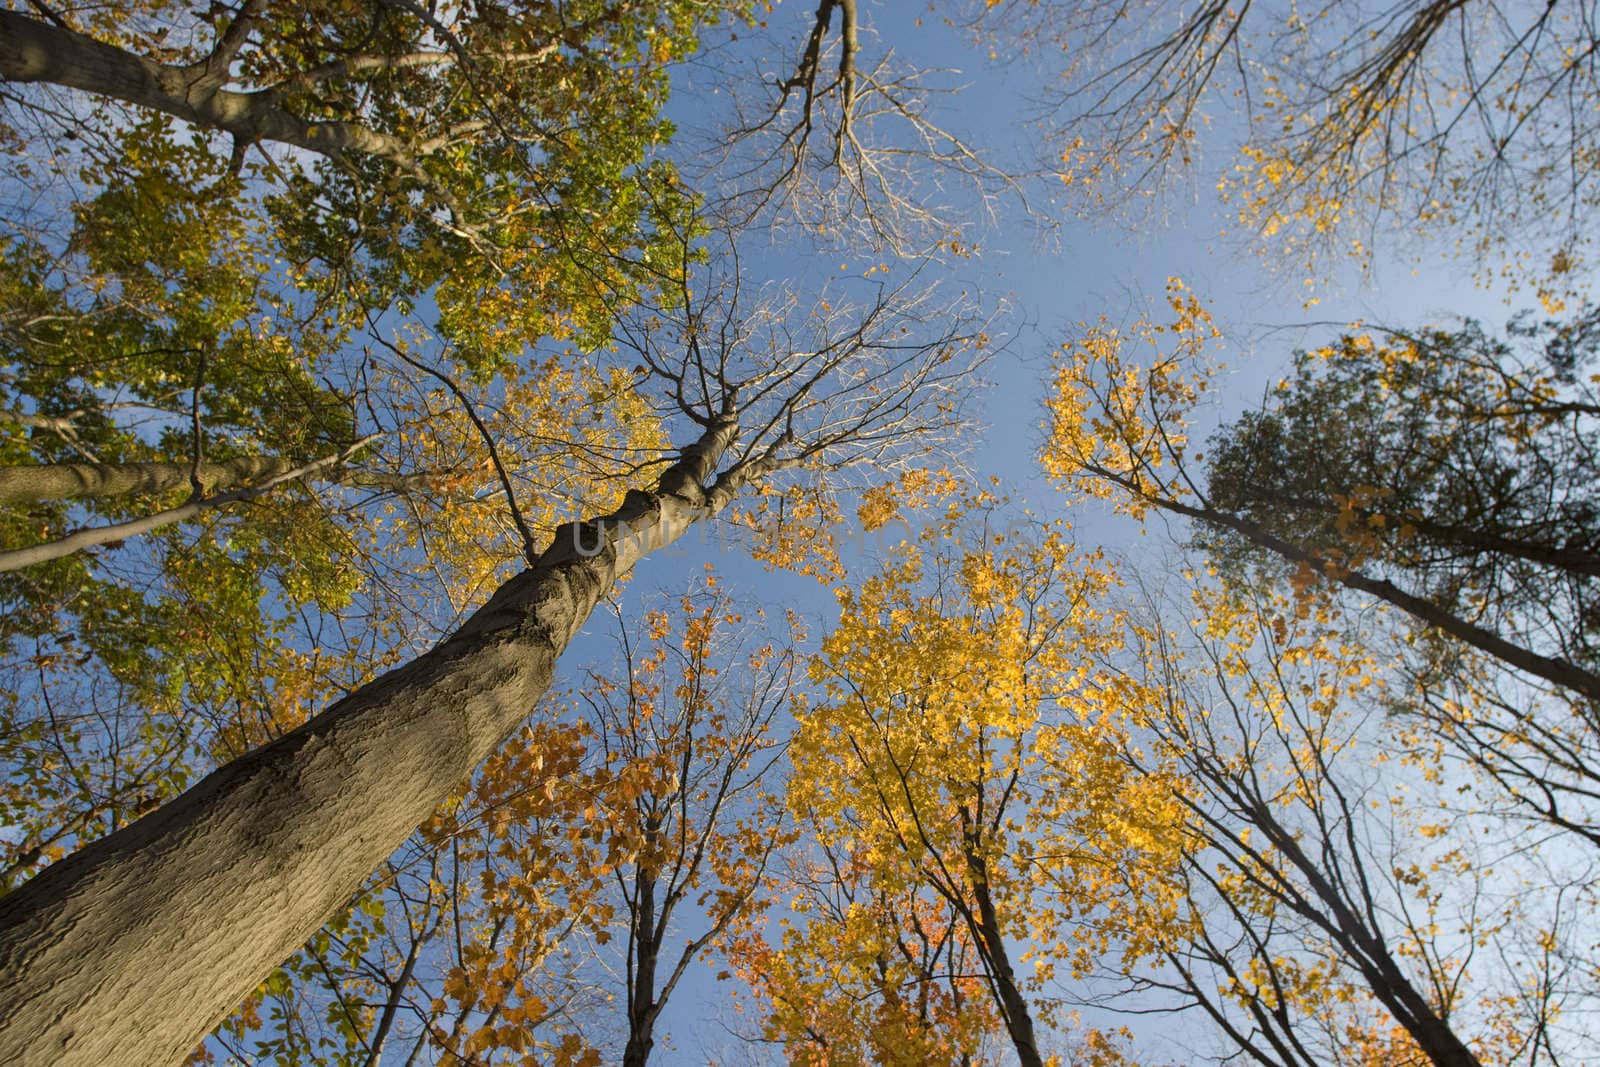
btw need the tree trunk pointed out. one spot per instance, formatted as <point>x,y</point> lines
<point>1364,946</point>
<point>36,51</point>
<point>132,949</point>
<point>1561,672</point>
<point>391,1005</point>
<point>642,1006</point>
<point>1013,1006</point>
<point>1578,560</point>
<point>65,481</point>
<point>92,536</point>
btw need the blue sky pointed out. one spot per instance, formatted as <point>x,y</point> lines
<point>1053,271</point>
<point>1048,269</point>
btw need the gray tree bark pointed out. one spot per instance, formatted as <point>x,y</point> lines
<point>132,949</point>
<point>90,537</point>
<point>36,51</point>
<point>66,481</point>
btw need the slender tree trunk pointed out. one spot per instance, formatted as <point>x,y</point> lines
<point>391,1005</point>
<point>1370,953</point>
<point>1013,1006</point>
<point>132,949</point>
<point>35,483</point>
<point>91,536</point>
<point>642,1007</point>
<point>1561,672</point>
<point>1579,560</point>
<point>65,481</point>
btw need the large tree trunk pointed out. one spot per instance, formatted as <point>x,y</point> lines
<point>133,948</point>
<point>65,481</point>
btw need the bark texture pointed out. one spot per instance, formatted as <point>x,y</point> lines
<point>35,51</point>
<point>66,481</point>
<point>132,949</point>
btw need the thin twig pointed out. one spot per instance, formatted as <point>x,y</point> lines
<point>530,546</point>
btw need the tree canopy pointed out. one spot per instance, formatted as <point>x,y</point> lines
<point>509,553</point>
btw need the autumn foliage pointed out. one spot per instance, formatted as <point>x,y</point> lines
<point>377,377</point>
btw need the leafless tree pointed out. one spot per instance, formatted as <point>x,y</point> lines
<point>843,137</point>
